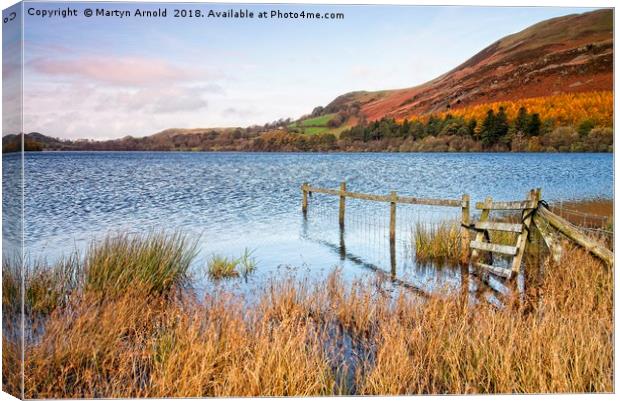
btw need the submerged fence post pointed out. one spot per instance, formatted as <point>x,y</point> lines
<point>393,200</point>
<point>304,202</point>
<point>393,197</point>
<point>343,189</point>
<point>465,221</point>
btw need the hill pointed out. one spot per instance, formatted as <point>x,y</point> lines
<point>569,54</point>
<point>546,88</point>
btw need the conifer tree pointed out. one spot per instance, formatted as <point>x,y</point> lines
<point>533,125</point>
<point>487,129</point>
<point>521,121</point>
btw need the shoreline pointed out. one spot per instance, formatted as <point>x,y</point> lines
<point>297,152</point>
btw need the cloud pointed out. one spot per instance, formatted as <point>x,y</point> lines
<point>87,110</point>
<point>157,100</point>
<point>122,71</point>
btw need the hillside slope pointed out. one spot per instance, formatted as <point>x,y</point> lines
<point>567,54</point>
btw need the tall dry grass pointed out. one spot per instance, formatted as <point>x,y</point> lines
<point>326,337</point>
<point>437,242</point>
<point>11,327</point>
<point>564,343</point>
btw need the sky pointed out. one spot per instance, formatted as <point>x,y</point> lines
<point>107,77</point>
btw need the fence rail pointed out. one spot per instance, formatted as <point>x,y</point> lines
<point>543,219</point>
<point>385,198</point>
<point>573,233</point>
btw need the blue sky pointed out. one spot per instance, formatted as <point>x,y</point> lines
<point>108,77</point>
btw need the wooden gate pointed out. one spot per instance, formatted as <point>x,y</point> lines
<point>482,242</point>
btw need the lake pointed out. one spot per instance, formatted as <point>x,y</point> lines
<point>230,202</point>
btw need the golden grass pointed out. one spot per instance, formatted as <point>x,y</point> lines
<point>564,345</point>
<point>330,337</point>
<point>437,242</point>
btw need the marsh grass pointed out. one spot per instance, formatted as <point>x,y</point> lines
<point>437,242</point>
<point>11,286</point>
<point>155,262</point>
<point>219,266</point>
<point>11,327</point>
<point>46,288</point>
<point>302,337</point>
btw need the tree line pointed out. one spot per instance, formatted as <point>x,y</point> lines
<point>496,132</point>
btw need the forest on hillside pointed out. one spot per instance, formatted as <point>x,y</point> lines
<point>500,128</point>
<point>496,132</point>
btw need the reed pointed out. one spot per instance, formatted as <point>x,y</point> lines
<point>301,337</point>
<point>11,286</point>
<point>157,262</point>
<point>11,327</point>
<point>219,266</point>
<point>437,242</point>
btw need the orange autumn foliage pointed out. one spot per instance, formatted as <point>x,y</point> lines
<point>564,109</point>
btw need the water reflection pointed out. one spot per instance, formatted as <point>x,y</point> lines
<point>463,280</point>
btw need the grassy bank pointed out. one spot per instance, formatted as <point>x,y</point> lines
<point>122,329</point>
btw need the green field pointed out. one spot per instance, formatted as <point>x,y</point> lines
<point>320,121</point>
<point>314,130</point>
<point>315,125</point>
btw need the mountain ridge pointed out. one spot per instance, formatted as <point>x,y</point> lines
<point>572,53</point>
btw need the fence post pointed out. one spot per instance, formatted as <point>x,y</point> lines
<point>343,189</point>
<point>465,221</point>
<point>393,218</point>
<point>304,202</point>
<point>534,197</point>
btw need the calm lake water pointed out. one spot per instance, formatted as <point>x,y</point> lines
<point>233,201</point>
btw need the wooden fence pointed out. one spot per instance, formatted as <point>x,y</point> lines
<point>548,223</point>
<point>393,199</point>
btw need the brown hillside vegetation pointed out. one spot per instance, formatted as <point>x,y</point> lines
<point>568,54</point>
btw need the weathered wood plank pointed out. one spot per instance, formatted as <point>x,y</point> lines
<point>343,191</point>
<point>465,221</point>
<point>393,218</point>
<point>498,271</point>
<point>550,236</point>
<point>429,202</point>
<point>577,236</point>
<point>534,197</point>
<point>484,216</point>
<point>496,226</point>
<point>496,248</point>
<point>370,197</point>
<point>515,205</point>
<point>304,201</point>
<point>323,190</point>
